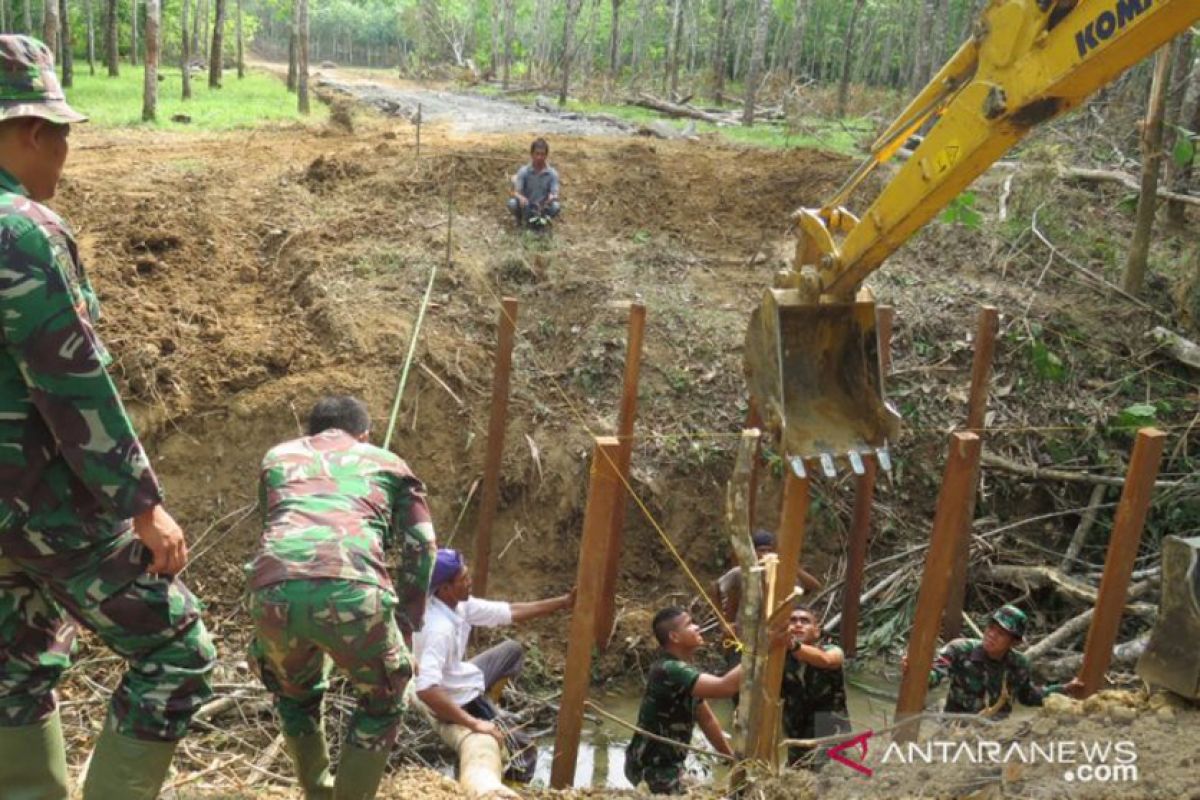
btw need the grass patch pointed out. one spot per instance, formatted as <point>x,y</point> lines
<point>117,102</point>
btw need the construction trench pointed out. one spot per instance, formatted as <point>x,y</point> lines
<point>243,275</point>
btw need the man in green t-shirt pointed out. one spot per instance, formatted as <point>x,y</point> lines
<point>675,697</point>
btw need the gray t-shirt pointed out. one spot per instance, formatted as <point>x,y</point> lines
<point>536,186</point>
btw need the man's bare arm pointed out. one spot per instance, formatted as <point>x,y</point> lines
<point>711,727</point>
<point>451,713</point>
<point>523,612</point>
<point>711,687</point>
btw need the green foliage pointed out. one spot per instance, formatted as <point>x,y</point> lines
<point>1185,147</point>
<point>117,102</point>
<point>961,210</point>
<point>1046,364</point>
<point>1138,415</point>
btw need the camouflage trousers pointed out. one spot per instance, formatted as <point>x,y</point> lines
<point>153,622</point>
<point>659,779</point>
<point>303,627</point>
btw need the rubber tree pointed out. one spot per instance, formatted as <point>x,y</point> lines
<point>571,12</point>
<point>50,25</point>
<point>68,54</point>
<point>302,56</point>
<point>758,50</point>
<point>110,39</point>
<point>215,59</point>
<point>185,51</point>
<point>848,61</point>
<point>150,85</point>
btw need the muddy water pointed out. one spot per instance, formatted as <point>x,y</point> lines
<point>870,697</point>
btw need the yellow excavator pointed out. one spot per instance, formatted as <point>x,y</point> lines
<point>812,355</point>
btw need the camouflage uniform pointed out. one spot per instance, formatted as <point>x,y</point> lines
<point>334,508</point>
<point>72,474</point>
<point>814,702</point>
<point>978,682</point>
<point>668,709</point>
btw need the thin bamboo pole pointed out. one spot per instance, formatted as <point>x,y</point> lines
<point>593,549</point>
<point>606,611</point>
<point>953,500</point>
<point>1122,550</point>
<point>490,497</point>
<point>981,374</point>
<point>796,500</point>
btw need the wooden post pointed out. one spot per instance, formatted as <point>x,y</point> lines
<point>981,374</point>
<point>953,499</point>
<point>864,496</point>
<point>753,422</point>
<point>796,497</point>
<point>490,496</point>
<point>885,317</point>
<point>606,611</point>
<point>856,555</point>
<point>1122,550</point>
<point>750,612</point>
<point>593,550</point>
<point>418,131</point>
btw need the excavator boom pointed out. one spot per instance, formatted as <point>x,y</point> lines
<point>811,355</point>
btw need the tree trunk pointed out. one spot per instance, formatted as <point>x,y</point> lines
<point>743,35</point>
<point>185,51</point>
<point>241,44</point>
<point>924,46</point>
<point>301,56</point>
<point>844,84</point>
<point>497,34</point>
<point>509,21</point>
<point>68,57</point>
<point>91,37</point>
<point>200,30</point>
<point>133,46</point>
<point>150,86</point>
<point>50,24</point>
<point>796,48</point>
<point>1184,79</point>
<point>293,48</point>
<point>756,60</point>
<point>216,52</point>
<point>637,61</point>
<point>572,11</point>
<point>720,48</point>
<point>671,82</point>
<point>110,37</point>
<point>27,17</point>
<point>1152,136</point>
<point>614,41</point>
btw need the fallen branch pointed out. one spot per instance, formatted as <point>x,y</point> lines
<point>1038,473</point>
<point>1185,351</point>
<point>1040,577</point>
<point>674,110</point>
<point>1083,528</point>
<point>1128,181</point>
<point>1123,655</point>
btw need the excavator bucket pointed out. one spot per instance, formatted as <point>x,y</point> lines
<point>813,370</point>
<point>1171,659</point>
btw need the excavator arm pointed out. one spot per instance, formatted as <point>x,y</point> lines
<point>811,356</point>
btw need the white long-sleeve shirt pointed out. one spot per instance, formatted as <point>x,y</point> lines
<point>442,642</point>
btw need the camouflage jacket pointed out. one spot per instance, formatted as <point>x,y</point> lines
<point>68,451</point>
<point>668,709</point>
<point>335,507</point>
<point>978,682</point>
<point>813,698</point>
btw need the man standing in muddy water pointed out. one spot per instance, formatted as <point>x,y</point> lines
<point>675,701</point>
<point>334,509</point>
<point>83,530</point>
<point>535,187</point>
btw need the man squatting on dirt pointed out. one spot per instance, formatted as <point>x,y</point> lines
<point>83,531</point>
<point>535,187</point>
<point>334,509</point>
<point>986,674</point>
<point>675,700</point>
<point>459,692</point>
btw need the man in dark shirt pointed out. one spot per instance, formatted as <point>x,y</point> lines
<point>534,199</point>
<point>675,697</point>
<point>814,689</point>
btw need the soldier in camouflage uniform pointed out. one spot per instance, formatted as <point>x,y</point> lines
<point>337,512</point>
<point>82,528</point>
<point>986,674</point>
<point>813,689</point>
<point>675,700</point>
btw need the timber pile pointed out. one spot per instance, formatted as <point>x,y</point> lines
<point>643,100</point>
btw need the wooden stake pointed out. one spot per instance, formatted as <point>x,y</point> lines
<point>885,317</point>
<point>753,422</point>
<point>981,374</point>
<point>1122,550</point>
<point>953,500</point>
<point>765,734</point>
<point>856,554</point>
<point>418,131</point>
<point>606,611</point>
<point>750,611</point>
<point>593,550</point>
<point>490,496</point>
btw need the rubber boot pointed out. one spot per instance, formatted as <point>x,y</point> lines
<point>359,773</point>
<point>33,761</point>
<point>127,768</point>
<point>310,758</point>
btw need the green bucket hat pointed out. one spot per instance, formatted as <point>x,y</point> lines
<point>1011,619</point>
<point>28,85</point>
